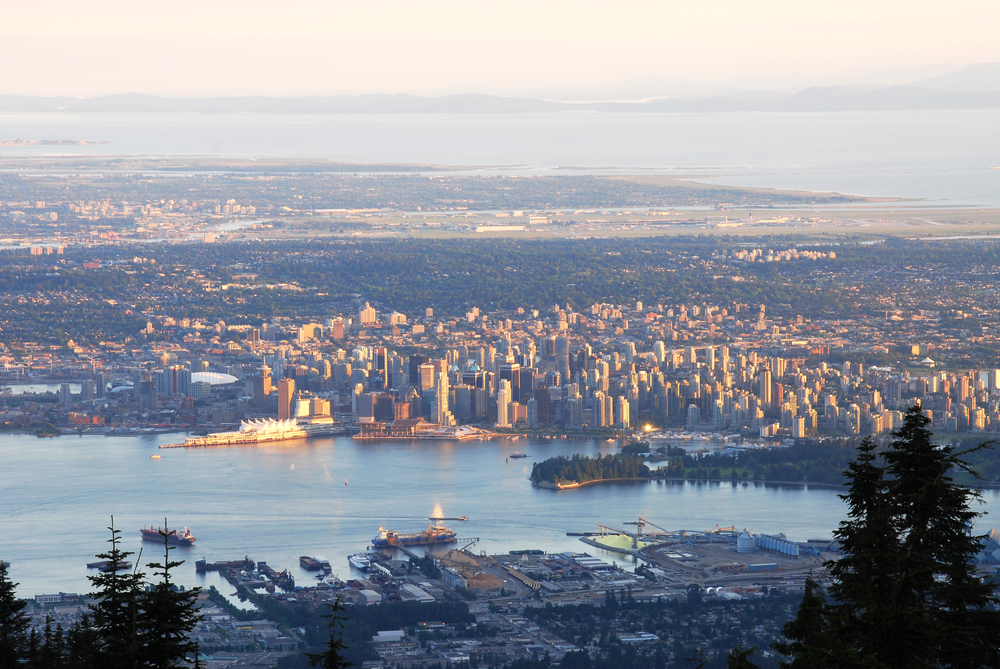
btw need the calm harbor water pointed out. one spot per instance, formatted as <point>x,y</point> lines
<point>276,502</point>
<point>941,157</point>
<point>329,496</point>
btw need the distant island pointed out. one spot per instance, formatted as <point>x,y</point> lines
<point>50,142</point>
<point>561,472</point>
<point>932,94</point>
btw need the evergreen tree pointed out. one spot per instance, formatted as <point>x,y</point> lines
<point>83,644</point>
<point>906,593</point>
<point>13,622</point>
<point>739,658</point>
<point>952,621</point>
<point>52,654</point>
<point>197,657</point>
<point>116,613</point>
<point>168,614</point>
<point>864,608</point>
<point>812,643</point>
<point>333,657</point>
<point>33,651</point>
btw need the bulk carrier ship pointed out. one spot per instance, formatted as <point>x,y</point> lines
<point>433,535</point>
<point>174,538</point>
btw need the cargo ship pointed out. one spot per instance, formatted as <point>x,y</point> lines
<point>174,538</point>
<point>434,534</point>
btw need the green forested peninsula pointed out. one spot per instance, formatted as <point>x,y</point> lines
<point>581,469</point>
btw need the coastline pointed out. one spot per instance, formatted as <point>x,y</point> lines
<point>573,485</point>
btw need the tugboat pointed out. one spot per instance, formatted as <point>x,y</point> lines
<point>174,538</point>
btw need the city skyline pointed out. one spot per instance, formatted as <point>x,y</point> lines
<point>499,335</point>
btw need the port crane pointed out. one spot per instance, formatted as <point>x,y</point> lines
<point>639,524</point>
<point>607,528</point>
<point>646,521</point>
<point>683,534</point>
<point>720,530</point>
<point>634,536</point>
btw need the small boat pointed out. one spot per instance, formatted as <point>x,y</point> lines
<point>518,456</point>
<point>154,457</point>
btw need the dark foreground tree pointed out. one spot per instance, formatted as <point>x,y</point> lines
<point>739,658</point>
<point>168,614</point>
<point>864,580</point>
<point>333,657</point>
<point>811,639</point>
<point>906,593</point>
<point>52,653</point>
<point>13,622</point>
<point>947,614</point>
<point>116,613</point>
<point>130,626</point>
<point>83,645</point>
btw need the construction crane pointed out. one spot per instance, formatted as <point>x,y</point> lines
<point>472,542</point>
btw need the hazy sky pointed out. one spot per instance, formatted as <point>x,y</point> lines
<point>204,47</point>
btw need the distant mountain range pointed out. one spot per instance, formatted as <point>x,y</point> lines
<point>974,87</point>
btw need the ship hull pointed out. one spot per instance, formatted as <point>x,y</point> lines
<point>421,539</point>
<point>172,539</point>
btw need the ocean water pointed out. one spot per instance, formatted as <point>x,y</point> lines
<point>329,496</point>
<point>941,158</point>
